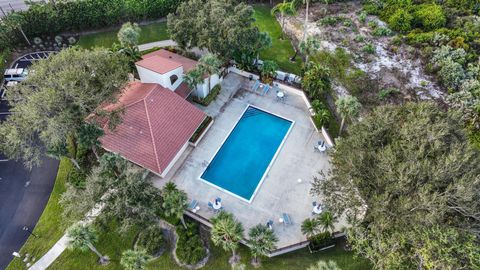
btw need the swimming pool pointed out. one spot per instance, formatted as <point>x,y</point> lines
<point>243,160</point>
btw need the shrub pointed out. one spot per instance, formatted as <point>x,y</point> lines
<point>369,48</point>
<point>372,24</point>
<point>150,239</point>
<point>320,241</point>
<point>451,74</point>
<point>5,57</point>
<point>401,21</point>
<point>362,17</point>
<point>387,92</point>
<point>333,20</point>
<point>430,16</point>
<point>190,249</point>
<point>359,38</point>
<point>382,32</point>
<point>210,97</point>
<point>77,178</point>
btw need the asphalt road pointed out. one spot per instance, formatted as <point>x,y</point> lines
<point>23,196</point>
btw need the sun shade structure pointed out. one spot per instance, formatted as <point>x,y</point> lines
<point>156,126</point>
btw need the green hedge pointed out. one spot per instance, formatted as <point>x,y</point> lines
<point>150,239</point>
<point>47,19</point>
<point>210,97</point>
<point>321,240</point>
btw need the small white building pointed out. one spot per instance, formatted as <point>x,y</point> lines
<point>167,69</point>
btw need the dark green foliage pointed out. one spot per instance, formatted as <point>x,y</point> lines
<point>320,241</point>
<point>150,239</point>
<point>210,97</point>
<point>190,248</point>
<point>77,178</point>
<point>316,81</point>
<point>388,92</point>
<point>381,32</point>
<point>196,135</point>
<point>403,172</point>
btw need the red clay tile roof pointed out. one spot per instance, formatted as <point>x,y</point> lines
<point>183,90</point>
<point>158,64</point>
<point>156,124</point>
<point>166,57</point>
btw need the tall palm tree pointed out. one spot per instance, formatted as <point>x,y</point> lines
<point>261,241</point>
<point>83,237</point>
<point>175,202</point>
<point>194,77</point>
<point>310,227</point>
<point>135,259</point>
<point>227,233</point>
<point>348,107</point>
<point>309,47</point>
<point>211,65</point>
<point>285,9</point>
<point>327,221</point>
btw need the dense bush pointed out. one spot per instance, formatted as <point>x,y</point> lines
<point>190,249</point>
<point>401,21</point>
<point>77,178</point>
<point>430,17</point>
<point>321,240</point>
<point>150,239</point>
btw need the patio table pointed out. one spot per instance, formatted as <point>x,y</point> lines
<point>217,205</point>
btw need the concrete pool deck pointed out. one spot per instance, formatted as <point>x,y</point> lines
<point>280,191</point>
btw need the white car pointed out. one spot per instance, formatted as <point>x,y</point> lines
<point>15,74</point>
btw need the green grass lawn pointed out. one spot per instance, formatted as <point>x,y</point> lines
<point>51,225</point>
<point>281,49</point>
<point>150,33</point>
<point>112,244</point>
<point>298,260</point>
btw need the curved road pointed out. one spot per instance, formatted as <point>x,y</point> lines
<point>23,196</point>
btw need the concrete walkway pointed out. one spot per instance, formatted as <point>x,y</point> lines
<point>161,43</point>
<point>62,244</point>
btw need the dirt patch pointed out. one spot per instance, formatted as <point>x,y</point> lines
<point>388,63</point>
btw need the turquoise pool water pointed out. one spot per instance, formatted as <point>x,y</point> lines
<point>242,160</point>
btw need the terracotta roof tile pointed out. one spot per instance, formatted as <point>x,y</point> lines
<point>156,124</point>
<point>187,63</point>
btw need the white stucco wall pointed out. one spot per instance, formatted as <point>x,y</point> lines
<point>202,89</point>
<point>148,76</point>
<point>175,159</point>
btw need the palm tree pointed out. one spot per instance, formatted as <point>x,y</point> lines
<point>322,115</point>
<point>194,77</point>
<point>227,232</point>
<point>285,9</point>
<point>324,265</point>
<point>268,70</point>
<point>310,227</point>
<point>348,107</point>
<point>175,202</point>
<point>82,237</point>
<point>261,241</point>
<point>211,65</point>
<point>309,47</point>
<point>135,259</point>
<point>327,221</point>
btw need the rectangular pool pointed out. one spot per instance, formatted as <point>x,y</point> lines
<point>246,155</point>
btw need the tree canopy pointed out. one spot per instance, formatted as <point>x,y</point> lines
<point>223,27</point>
<point>53,102</point>
<point>410,183</point>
